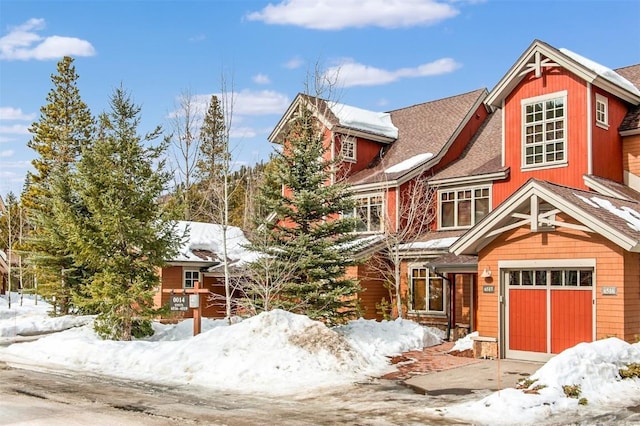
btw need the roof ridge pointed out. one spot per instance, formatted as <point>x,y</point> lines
<point>439,99</point>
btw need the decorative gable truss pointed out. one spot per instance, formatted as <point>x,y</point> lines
<point>536,205</point>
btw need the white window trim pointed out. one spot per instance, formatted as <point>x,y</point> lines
<point>442,313</point>
<point>184,277</point>
<point>353,140</point>
<point>604,101</point>
<point>473,216</point>
<point>536,99</point>
<point>383,212</point>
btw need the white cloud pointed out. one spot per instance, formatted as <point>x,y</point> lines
<point>339,14</point>
<point>294,63</point>
<point>351,73</point>
<point>245,102</point>
<point>23,43</point>
<point>15,129</point>
<point>9,113</point>
<point>197,38</point>
<point>7,153</point>
<point>261,79</point>
<point>242,132</point>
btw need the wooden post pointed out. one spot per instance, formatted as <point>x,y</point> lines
<point>197,313</point>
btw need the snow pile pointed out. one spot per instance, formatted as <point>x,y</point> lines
<point>589,369</point>
<point>26,318</point>
<point>464,344</point>
<point>378,123</point>
<point>631,216</point>
<point>379,340</point>
<point>275,352</point>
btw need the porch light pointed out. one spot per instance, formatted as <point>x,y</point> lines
<point>486,273</point>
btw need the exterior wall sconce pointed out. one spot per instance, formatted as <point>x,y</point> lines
<point>486,273</point>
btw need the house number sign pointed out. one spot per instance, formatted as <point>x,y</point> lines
<point>609,291</point>
<point>178,302</point>
<point>488,289</point>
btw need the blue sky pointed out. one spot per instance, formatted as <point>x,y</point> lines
<point>390,54</point>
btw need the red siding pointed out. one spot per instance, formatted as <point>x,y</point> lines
<point>552,81</point>
<point>607,143</point>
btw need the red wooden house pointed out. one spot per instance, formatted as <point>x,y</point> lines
<point>535,238</point>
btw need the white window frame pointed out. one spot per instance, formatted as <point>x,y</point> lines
<point>602,111</point>
<point>457,201</point>
<point>355,214</point>
<point>544,132</point>
<point>349,141</point>
<point>429,276</point>
<point>191,278</point>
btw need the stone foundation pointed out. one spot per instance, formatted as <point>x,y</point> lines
<point>485,347</point>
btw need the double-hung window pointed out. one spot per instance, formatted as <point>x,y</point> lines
<point>190,278</point>
<point>348,150</point>
<point>427,291</point>
<point>463,208</point>
<point>369,213</point>
<point>544,136</point>
<point>602,111</point>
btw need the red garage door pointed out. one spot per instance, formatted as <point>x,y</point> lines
<point>547,311</point>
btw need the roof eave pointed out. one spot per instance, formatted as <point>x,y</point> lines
<point>630,132</point>
<point>462,180</point>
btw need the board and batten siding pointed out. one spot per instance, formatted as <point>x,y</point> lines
<point>571,174</point>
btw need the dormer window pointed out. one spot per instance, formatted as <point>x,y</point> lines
<point>348,151</point>
<point>602,111</point>
<point>544,137</point>
<point>463,208</point>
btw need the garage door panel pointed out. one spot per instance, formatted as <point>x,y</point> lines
<point>571,318</point>
<point>528,320</point>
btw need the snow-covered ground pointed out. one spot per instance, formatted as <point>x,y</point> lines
<point>280,353</point>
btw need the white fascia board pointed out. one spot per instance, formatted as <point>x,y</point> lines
<point>473,180</point>
<point>359,133</point>
<point>512,79</point>
<point>631,132</point>
<point>370,187</point>
<point>616,90</point>
<point>601,189</point>
<point>283,120</point>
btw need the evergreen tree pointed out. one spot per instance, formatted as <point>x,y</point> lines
<point>119,229</point>
<point>308,228</point>
<point>65,128</point>
<point>212,163</point>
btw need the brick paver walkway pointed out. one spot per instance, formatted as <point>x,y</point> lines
<point>434,358</point>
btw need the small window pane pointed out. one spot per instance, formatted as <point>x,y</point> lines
<point>570,278</point>
<point>527,277</point>
<point>436,294</point>
<point>556,277</point>
<point>586,278</point>
<point>541,277</point>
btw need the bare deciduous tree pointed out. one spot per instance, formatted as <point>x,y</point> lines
<point>416,213</point>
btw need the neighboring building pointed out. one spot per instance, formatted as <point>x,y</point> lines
<point>536,229</point>
<point>200,258</point>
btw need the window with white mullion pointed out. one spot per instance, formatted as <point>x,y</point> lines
<point>369,213</point>
<point>463,208</point>
<point>602,111</point>
<point>348,150</point>
<point>544,131</point>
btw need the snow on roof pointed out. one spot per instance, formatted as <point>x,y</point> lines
<point>625,213</point>
<point>369,121</point>
<point>207,237</point>
<point>603,71</point>
<point>409,163</point>
<point>441,243</point>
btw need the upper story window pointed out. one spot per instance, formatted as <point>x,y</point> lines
<point>544,137</point>
<point>463,208</point>
<point>602,111</point>
<point>190,278</point>
<point>369,212</point>
<point>348,150</point>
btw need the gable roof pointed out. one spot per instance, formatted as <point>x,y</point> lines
<point>340,118</point>
<point>615,219</point>
<point>481,157</point>
<point>425,132</point>
<point>541,55</point>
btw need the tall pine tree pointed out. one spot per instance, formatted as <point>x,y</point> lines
<point>120,230</point>
<point>308,228</point>
<point>65,128</point>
